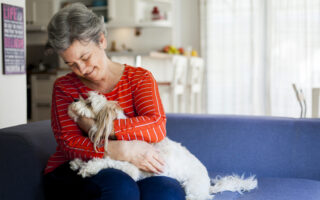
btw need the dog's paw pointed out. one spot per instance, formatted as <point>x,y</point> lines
<point>73,115</point>
<point>76,164</point>
<point>84,173</point>
<point>91,168</point>
<point>87,172</point>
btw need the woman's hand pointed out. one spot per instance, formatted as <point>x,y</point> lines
<point>85,123</point>
<point>139,153</point>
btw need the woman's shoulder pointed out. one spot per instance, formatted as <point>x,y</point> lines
<point>69,80</point>
<point>136,73</point>
<point>70,85</point>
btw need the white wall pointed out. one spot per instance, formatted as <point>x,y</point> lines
<point>185,31</point>
<point>190,24</point>
<point>13,89</point>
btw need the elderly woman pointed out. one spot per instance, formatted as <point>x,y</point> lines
<point>78,35</point>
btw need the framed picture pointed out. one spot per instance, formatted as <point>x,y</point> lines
<point>13,48</point>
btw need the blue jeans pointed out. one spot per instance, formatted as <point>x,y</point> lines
<point>109,184</point>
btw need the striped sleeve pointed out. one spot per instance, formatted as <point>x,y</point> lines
<point>150,122</point>
<point>68,135</point>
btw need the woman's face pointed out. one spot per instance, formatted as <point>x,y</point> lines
<point>86,59</point>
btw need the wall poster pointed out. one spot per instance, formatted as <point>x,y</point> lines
<point>13,48</point>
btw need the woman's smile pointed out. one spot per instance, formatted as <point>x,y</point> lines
<point>89,73</point>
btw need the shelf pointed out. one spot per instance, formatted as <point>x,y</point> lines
<point>120,25</point>
<point>150,24</point>
<point>156,23</point>
<point>36,28</point>
<point>141,16</point>
<point>98,8</point>
<point>158,1</point>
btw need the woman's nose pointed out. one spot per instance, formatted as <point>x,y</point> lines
<point>82,67</point>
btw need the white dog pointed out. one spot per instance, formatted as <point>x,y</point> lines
<point>180,163</point>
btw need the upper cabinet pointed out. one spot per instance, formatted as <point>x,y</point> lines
<point>116,13</point>
<point>121,13</point>
<point>154,13</point>
<point>39,13</point>
<point>140,13</point>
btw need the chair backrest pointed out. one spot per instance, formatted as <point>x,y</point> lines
<point>161,68</point>
<point>171,70</point>
<point>180,71</point>
<point>195,77</point>
<point>195,85</point>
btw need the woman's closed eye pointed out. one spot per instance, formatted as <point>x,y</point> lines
<point>86,58</point>
<point>72,64</point>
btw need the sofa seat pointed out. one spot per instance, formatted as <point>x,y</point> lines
<point>278,189</point>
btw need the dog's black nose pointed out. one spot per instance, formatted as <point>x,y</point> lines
<point>75,100</point>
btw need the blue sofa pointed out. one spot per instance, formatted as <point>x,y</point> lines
<point>284,154</point>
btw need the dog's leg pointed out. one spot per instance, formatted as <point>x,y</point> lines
<point>76,164</point>
<point>195,190</point>
<point>93,167</point>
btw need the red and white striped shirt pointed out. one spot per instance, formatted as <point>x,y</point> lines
<point>137,94</point>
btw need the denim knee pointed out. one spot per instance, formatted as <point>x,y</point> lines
<point>161,187</point>
<point>114,184</point>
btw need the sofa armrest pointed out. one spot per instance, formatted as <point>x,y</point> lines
<point>24,151</point>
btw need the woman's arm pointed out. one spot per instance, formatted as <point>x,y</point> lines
<point>69,137</point>
<point>150,123</point>
<point>140,153</point>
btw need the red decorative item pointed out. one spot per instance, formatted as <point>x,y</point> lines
<point>155,13</point>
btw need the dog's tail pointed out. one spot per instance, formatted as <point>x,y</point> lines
<point>233,183</point>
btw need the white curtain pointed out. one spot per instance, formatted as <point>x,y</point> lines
<point>255,50</point>
<point>294,39</point>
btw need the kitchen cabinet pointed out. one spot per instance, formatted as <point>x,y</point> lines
<point>100,7</point>
<point>101,11</point>
<point>39,13</point>
<point>121,13</point>
<point>41,94</point>
<point>138,13</point>
<point>116,13</point>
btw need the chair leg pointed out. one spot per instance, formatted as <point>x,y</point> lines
<point>192,103</point>
<point>315,102</point>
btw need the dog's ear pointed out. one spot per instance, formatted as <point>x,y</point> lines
<point>105,126</point>
<point>101,126</point>
<point>117,109</point>
<point>113,105</point>
<point>81,98</point>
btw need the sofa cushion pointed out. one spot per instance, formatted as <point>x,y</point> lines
<point>278,189</point>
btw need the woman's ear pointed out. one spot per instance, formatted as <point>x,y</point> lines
<point>103,41</point>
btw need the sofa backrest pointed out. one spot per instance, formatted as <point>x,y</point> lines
<point>264,146</point>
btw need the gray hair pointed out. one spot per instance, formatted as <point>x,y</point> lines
<point>74,22</point>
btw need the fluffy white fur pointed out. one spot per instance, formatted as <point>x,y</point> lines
<point>180,163</point>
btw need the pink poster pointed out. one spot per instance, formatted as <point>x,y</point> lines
<point>13,50</point>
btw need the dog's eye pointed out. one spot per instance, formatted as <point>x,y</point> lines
<point>88,104</point>
<point>75,100</point>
